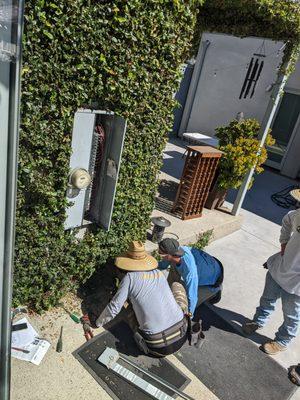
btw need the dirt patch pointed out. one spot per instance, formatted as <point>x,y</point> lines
<point>97,291</point>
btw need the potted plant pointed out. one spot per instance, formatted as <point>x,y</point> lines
<point>241,152</point>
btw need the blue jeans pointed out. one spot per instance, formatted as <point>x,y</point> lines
<point>290,307</point>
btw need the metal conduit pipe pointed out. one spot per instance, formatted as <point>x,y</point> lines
<point>10,173</point>
<point>273,104</point>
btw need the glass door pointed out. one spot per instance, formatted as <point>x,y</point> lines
<point>283,128</point>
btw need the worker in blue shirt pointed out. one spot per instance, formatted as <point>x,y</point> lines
<point>201,273</point>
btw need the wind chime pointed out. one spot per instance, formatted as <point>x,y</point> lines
<point>253,73</point>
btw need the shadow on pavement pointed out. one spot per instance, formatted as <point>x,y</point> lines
<point>173,163</point>
<point>258,199</point>
<point>233,319</point>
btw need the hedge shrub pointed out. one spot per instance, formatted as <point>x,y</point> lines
<point>125,56</point>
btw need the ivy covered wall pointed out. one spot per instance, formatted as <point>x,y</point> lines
<point>126,57</point>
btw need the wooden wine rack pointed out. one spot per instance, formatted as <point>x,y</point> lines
<point>198,173</point>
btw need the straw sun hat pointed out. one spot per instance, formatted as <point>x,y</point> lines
<point>295,194</point>
<point>136,259</point>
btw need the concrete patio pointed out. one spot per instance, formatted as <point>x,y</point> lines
<point>220,221</point>
<point>243,254</point>
<point>61,376</point>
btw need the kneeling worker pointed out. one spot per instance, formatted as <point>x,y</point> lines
<point>201,273</point>
<point>162,325</point>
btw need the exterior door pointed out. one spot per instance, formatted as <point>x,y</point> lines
<point>283,128</point>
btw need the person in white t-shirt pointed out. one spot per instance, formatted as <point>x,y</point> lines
<point>282,281</point>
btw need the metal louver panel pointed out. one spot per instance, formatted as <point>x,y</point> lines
<point>104,188</point>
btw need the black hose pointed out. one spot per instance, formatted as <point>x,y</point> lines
<point>283,197</point>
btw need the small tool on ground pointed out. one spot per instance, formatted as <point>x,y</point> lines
<point>75,318</point>
<point>60,342</point>
<point>18,327</point>
<point>21,350</point>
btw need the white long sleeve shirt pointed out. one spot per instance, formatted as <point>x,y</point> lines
<point>285,270</point>
<point>152,300</point>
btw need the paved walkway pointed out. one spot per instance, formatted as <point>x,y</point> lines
<point>187,231</point>
<point>243,254</point>
<point>60,376</point>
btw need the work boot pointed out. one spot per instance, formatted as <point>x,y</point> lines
<point>250,327</point>
<point>273,347</point>
<point>294,374</point>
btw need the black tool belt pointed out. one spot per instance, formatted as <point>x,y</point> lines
<point>219,281</point>
<point>168,336</point>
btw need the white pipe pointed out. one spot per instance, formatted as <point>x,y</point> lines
<point>273,106</point>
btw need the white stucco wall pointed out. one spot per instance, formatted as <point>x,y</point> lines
<point>294,80</point>
<point>291,162</point>
<point>216,100</point>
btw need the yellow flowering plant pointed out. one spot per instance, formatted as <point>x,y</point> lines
<point>242,151</point>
